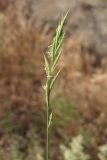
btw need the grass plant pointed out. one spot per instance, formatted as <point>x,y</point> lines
<point>51,61</point>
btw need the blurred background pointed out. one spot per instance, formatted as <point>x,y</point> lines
<point>79,98</point>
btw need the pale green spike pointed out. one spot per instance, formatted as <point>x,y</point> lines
<point>64,19</point>
<point>50,119</point>
<point>54,79</point>
<point>47,66</point>
<point>52,50</point>
<point>59,35</point>
<point>55,62</point>
<point>61,25</point>
<point>59,46</point>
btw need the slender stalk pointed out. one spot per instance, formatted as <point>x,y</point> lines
<point>47,121</point>
<point>50,67</point>
<point>47,135</point>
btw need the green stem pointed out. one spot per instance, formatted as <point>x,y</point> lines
<point>47,118</point>
<point>47,134</point>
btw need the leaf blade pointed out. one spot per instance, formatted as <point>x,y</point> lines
<point>54,79</point>
<point>50,119</point>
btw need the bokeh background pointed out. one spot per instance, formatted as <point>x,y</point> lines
<point>79,98</point>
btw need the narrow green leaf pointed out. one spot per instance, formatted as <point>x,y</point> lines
<point>50,119</point>
<point>55,62</point>
<point>54,79</point>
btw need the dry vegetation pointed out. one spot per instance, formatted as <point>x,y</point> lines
<point>83,80</point>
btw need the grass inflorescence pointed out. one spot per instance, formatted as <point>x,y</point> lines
<point>51,62</point>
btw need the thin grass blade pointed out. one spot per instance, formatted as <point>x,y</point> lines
<point>50,119</point>
<point>55,62</point>
<point>54,79</point>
